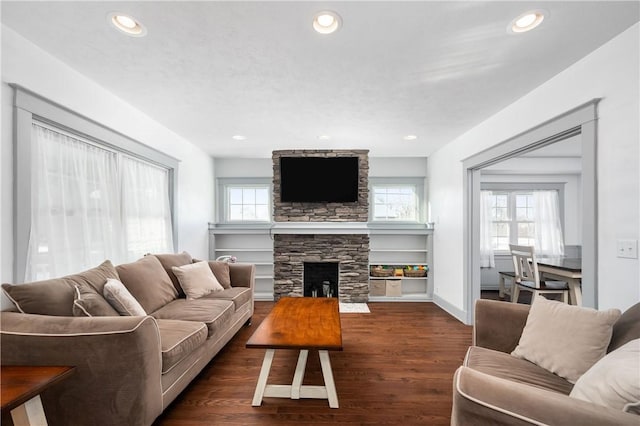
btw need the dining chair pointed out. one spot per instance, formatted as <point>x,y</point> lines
<point>527,276</point>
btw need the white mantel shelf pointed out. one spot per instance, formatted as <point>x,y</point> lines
<point>328,228</point>
<point>315,228</point>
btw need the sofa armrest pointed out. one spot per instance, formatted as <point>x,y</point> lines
<point>482,399</point>
<point>498,325</point>
<point>242,274</point>
<point>117,360</point>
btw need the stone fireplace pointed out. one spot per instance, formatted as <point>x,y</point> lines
<point>322,233</point>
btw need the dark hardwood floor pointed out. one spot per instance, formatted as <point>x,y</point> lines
<point>396,368</point>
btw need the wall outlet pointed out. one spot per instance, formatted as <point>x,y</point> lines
<point>627,249</point>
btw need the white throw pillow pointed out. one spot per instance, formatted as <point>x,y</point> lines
<point>565,339</point>
<point>197,279</point>
<point>614,381</point>
<point>122,301</point>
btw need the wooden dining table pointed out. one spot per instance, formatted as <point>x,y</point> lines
<point>564,269</point>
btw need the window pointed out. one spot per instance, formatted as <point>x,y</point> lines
<point>513,219</point>
<point>244,200</point>
<point>248,203</point>
<point>85,193</point>
<point>395,203</point>
<point>91,203</point>
<point>525,217</point>
<point>146,208</point>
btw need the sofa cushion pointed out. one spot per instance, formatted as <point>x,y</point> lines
<point>220,270</point>
<point>170,260</point>
<point>505,366</point>
<point>564,339</point>
<point>613,381</point>
<point>178,339</point>
<point>197,280</point>
<point>56,296</point>
<point>216,314</point>
<point>238,295</point>
<point>122,301</point>
<point>148,282</point>
<point>627,328</point>
<point>88,303</point>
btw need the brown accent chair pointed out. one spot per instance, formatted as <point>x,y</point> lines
<point>128,368</point>
<point>494,388</point>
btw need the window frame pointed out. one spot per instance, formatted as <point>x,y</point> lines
<point>30,107</point>
<point>527,187</point>
<point>223,198</point>
<point>417,182</point>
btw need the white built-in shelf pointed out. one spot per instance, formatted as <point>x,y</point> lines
<point>412,241</point>
<point>400,250</point>
<point>245,250</point>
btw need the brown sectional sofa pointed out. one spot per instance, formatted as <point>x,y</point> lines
<point>128,368</point>
<point>493,387</point>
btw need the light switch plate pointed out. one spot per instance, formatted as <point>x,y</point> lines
<point>628,249</point>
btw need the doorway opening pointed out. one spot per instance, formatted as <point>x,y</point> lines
<point>581,122</point>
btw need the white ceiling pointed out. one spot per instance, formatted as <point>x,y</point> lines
<point>209,70</point>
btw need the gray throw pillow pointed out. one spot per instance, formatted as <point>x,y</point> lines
<point>88,303</point>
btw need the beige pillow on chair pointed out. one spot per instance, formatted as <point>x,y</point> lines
<point>565,339</point>
<point>197,279</point>
<point>614,381</point>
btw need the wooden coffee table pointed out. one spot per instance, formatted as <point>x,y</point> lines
<point>300,323</point>
<point>21,388</point>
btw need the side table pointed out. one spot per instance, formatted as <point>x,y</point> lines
<point>21,389</point>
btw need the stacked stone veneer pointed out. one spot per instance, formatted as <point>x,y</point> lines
<point>323,212</point>
<point>351,251</point>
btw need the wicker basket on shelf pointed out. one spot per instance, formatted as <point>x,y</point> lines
<point>415,273</point>
<point>381,272</point>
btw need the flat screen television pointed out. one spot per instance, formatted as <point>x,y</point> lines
<point>318,179</point>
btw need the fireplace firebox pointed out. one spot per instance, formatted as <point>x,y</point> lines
<point>320,279</point>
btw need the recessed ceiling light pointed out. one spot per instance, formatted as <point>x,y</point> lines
<point>324,137</point>
<point>327,22</point>
<point>239,137</point>
<point>527,21</point>
<point>127,24</point>
<point>410,138</point>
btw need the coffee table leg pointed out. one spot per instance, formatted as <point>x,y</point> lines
<point>299,374</point>
<point>29,413</point>
<point>325,363</point>
<point>262,379</point>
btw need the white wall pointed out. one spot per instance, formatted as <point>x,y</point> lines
<point>378,167</point>
<point>25,64</point>
<point>397,166</point>
<point>611,73</point>
<point>244,167</point>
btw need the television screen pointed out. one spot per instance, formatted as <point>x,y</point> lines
<point>318,179</point>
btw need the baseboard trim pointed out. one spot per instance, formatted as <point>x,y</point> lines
<point>455,312</point>
<point>263,297</point>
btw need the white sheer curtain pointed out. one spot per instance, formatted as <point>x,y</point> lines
<point>487,259</point>
<point>146,209</point>
<point>75,205</point>
<point>90,204</point>
<point>548,230</point>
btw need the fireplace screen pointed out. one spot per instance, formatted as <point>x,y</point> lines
<point>320,279</point>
